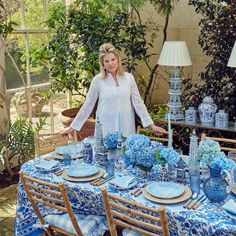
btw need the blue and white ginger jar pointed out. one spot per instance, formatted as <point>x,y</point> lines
<point>221,119</point>
<point>207,110</point>
<point>190,115</point>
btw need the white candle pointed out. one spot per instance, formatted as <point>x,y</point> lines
<point>169,132</point>
<point>119,126</point>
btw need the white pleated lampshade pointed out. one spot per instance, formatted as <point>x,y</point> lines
<point>232,59</point>
<point>175,53</point>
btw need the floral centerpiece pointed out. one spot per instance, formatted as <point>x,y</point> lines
<point>111,140</point>
<point>140,151</point>
<point>210,154</point>
<point>167,155</point>
<point>215,187</point>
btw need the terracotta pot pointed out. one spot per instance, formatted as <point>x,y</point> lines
<point>68,115</point>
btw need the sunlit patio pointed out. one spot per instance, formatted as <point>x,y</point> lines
<point>117,117</point>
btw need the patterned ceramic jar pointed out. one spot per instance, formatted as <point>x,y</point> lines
<point>221,119</point>
<point>190,115</point>
<point>207,110</point>
<point>88,153</point>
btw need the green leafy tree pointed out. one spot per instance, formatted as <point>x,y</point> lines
<point>73,50</point>
<point>217,37</point>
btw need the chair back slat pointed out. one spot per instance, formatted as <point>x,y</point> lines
<point>45,203</point>
<point>124,217</point>
<point>51,199</point>
<point>137,217</point>
<point>45,143</point>
<point>38,188</point>
<point>49,195</point>
<point>226,144</point>
<point>131,211</point>
<point>147,132</point>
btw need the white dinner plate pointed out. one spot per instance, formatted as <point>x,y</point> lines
<point>165,189</point>
<point>82,171</point>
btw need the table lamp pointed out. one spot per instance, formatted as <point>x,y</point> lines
<point>175,53</point>
<point>232,63</point>
<point>232,59</point>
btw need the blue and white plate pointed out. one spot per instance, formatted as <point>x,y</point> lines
<point>165,189</point>
<point>82,171</point>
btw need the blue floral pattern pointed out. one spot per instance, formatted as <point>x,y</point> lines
<point>210,219</point>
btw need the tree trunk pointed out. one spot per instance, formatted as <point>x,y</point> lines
<point>4,99</point>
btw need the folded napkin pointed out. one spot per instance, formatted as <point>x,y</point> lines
<point>123,182</point>
<point>230,206</point>
<point>46,165</point>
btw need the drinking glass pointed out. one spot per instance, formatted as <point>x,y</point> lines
<point>66,158</point>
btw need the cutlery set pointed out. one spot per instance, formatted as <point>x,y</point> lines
<point>59,172</point>
<point>137,191</point>
<point>102,180</point>
<point>195,201</point>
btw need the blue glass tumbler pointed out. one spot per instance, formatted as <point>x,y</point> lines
<point>66,159</point>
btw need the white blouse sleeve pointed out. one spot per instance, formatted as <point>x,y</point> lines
<point>88,105</point>
<point>139,105</point>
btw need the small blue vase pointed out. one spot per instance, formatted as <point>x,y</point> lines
<point>215,187</point>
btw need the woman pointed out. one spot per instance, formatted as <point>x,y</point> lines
<point>118,98</point>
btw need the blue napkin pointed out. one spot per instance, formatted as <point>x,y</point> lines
<point>123,182</point>
<point>230,206</point>
<point>46,165</point>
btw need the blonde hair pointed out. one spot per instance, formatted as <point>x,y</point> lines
<point>103,51</point>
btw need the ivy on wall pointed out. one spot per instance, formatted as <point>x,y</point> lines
<point>217,37</point>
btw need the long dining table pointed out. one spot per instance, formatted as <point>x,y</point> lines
<point>208,219</point>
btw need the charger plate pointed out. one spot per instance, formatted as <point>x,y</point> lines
<point>58,156</point>
<point>233,189</point>
<point>186,195</point>
<point>100,173</point>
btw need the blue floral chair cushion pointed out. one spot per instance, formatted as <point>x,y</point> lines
<point>90,225</point>
<point>127,232</point>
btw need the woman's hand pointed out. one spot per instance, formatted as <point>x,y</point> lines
<point>65,133</point>
<point>158,130</point>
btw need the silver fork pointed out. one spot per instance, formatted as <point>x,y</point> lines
<point>194,196</point>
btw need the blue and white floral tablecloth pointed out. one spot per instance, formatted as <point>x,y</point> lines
<point>209,219</point>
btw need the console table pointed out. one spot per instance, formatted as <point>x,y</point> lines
<point>183,130</point>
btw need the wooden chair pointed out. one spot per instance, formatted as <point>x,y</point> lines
<point>45,143</point>
<point>50,195</point>
<point>134,216</point>
<point>224,142</point>
<point>147,132</point>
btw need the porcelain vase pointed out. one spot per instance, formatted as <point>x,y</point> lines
<point>215,187</point>
<point>207,110</point>
<point>163,176</point>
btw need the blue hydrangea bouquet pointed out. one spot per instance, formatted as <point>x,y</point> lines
<point>110,140</point>
<point>140,151</point>
<point>210,154</point>
<point>167,155</point>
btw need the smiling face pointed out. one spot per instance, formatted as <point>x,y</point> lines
<point>110,63</point>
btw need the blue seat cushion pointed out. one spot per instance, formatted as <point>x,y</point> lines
<point>127,232</point>
<point>90,225</point>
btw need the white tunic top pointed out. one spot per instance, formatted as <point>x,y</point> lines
<point>116,105</point>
